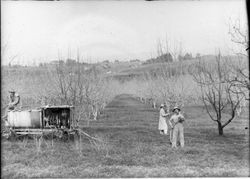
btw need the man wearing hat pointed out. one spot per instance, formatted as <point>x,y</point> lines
<point>163,127</point>
<point>176,123</point>
<point>14,99</point>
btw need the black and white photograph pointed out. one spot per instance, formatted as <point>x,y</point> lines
<point>124,89</point>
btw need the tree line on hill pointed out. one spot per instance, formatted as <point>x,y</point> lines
<point>67,62</point>
<point>167,57</point>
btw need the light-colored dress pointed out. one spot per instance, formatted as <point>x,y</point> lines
<point>162,121</point>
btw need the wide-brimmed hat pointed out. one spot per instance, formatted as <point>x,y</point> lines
<point>162,105</point>
<point>176,108</point>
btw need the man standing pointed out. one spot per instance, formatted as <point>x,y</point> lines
<point>176,122</point>
<point>163,127</point>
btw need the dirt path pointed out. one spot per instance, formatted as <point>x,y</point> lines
<point>127,111</point>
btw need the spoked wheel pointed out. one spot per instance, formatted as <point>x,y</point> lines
<point>62,134</point>
<point>76,135</point>
<point>59,133</point>
<point>8,133</point>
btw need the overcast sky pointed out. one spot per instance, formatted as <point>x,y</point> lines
<point>37,30</point>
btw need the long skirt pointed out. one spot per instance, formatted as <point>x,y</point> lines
<point>163,125</point>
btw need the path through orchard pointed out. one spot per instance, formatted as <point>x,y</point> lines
<point>127,116</point>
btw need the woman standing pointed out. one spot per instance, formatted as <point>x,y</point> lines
<point>163,127</point>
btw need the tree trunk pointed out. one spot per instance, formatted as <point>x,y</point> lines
<point>95,115</point>
<point>220,128</point>
<point>88,122</point>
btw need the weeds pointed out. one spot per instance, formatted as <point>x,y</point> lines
<point>101,146</point>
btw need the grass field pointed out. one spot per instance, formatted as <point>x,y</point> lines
<point>134,148</point>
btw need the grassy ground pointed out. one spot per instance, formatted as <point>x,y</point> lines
<point>133,147</point>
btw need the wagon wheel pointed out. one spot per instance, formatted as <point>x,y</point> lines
<point>65,135</point>
<point>59,133</point>
<point>76,135</point>
<point>72,135</point>
<point>8,133</point>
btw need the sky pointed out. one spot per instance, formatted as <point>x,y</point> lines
<point>39,31</point>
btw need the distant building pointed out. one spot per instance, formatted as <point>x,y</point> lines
<point>56,62</point>
<point>135,61</point>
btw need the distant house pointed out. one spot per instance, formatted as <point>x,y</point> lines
<point>71,61</point>
<point>188,56</point>
<point>105,61</point>
<point>86,67</point>
<point>56,62</point>
<point>134,65</point>
<point>135,61</point>
<point>106,66</point>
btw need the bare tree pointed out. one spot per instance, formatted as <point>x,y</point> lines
<point>170,90</point>
<point>216,92</point>
<point>84,88</point>
<point>240,77</point>
<point>6,55</point>
<point>165,47</point>
<point>239,34</point>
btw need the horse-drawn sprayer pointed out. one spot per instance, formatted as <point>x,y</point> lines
<point>46,120</point>
<point>53,121</point>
